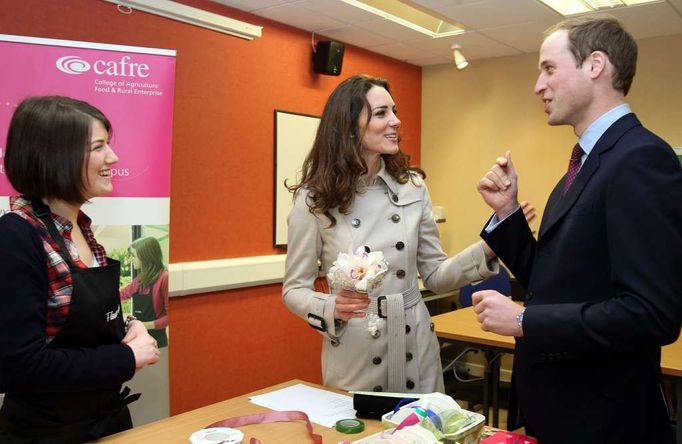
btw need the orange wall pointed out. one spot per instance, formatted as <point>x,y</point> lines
<point>226,343</point>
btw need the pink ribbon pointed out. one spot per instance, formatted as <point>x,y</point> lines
<point>266,418</point>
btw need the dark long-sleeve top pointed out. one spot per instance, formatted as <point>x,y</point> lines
<point>27,364</point>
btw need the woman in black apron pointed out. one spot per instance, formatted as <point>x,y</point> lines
<point>149,288</point>
<point>64,352</point>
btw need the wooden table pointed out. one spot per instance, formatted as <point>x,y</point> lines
<point>177,429</point>
<point>460,326</point>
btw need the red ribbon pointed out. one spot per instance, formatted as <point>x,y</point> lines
<point>265,418</point>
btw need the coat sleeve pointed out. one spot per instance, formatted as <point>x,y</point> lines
<point>301,269</point>
<point>440,273</point>
<point>27,364</point>
<point>644,238</point>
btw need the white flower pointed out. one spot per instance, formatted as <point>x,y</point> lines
<point>361,271</point>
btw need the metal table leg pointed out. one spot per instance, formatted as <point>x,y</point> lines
<point>495,381</point>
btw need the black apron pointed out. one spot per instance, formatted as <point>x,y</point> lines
<point>143,309</point>
<point>95,318</point>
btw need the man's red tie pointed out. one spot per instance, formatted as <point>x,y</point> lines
<point>573,167</point>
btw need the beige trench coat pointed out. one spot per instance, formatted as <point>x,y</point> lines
<point>396,219</point>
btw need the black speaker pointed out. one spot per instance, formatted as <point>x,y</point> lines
<point>328,58</point>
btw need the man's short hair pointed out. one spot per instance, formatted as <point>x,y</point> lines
<point>606,34</point>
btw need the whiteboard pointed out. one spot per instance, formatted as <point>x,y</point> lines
<point>294,137</point>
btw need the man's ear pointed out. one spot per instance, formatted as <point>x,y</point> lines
<point>597,62</point>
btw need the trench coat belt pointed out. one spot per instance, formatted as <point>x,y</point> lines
<point>393,307</point>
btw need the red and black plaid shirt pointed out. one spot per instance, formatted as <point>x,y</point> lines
<point>58,273</point>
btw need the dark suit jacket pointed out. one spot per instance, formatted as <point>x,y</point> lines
<point>604,292</point>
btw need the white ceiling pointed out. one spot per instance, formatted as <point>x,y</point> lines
<point>495,28</point>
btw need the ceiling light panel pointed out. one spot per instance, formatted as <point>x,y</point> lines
<point>408,16</point>
<point>572,7</point>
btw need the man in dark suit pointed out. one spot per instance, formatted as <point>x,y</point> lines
<point>603,279</point>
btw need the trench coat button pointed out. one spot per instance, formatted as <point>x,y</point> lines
<point>408,329</point>
<point>378,388</point>
<point>432,326</point>
<point>400,245</point>
<point>395,198</point>
<point>408,357</point>
<point>335,342</point>
<point>410,384</point>
<point>400,274</point>
<point>376,334</point>
<point>355,222</point>
<point>395,218</point>
<point>376,360</point>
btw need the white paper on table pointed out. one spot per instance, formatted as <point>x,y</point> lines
<point>322,407</point>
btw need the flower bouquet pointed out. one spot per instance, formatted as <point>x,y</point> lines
<point>362,272</point>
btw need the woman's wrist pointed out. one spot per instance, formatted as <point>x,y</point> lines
<point>129,320</point>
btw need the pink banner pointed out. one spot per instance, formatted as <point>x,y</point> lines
<point>133,88</point>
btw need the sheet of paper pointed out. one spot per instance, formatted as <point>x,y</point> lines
<point>322,407</point>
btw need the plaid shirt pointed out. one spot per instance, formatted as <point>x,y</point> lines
<point>58,273</point>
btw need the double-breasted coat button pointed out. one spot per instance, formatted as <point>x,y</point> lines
<point>355,222</point>
<point>431,326</point>
<point>395,198</point>
<point>408,329</point>
<point>376,334</point>
<point>400,245</point>
<point>378,388</point>
<point>400,274</point>
<point>395,218</point>
<point>408,356</point>
<point>376,360</point>
<point>410,384</point>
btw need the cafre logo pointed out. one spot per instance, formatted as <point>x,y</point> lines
<point>124,67</point>
<point>72,65</point>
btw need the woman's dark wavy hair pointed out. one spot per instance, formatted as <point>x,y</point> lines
<point>332,168</point>
<point>48,144</point>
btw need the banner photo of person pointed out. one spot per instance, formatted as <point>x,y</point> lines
<point>134,88</point>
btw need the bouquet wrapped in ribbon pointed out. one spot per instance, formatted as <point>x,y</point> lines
<point>362,272</point>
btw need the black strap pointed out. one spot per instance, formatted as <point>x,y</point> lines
<point>43,212</point>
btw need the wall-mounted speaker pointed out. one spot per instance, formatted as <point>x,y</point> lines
<point>328,58</point>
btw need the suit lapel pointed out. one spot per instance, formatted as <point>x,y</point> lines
<point>558,206</point>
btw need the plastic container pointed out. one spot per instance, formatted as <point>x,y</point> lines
<point>442,412</point>
<point>409,435</point>
<point>220,435</point>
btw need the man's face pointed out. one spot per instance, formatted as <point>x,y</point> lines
<point>565,89</point>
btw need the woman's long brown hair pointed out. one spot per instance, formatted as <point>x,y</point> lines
<point>332,168</point>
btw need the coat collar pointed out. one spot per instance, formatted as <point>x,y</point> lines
<point>558,206</point>
<point>400,194</point>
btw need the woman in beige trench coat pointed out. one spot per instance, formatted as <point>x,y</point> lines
<point>357,189</point>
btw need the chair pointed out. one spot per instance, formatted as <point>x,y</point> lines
<point>466,388</point>
<point>500,282</point>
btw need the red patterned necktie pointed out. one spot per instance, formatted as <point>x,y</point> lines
<point>573,167</point>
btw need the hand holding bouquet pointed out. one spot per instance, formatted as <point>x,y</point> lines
<point>353,275</point>
<point>361,271</point>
